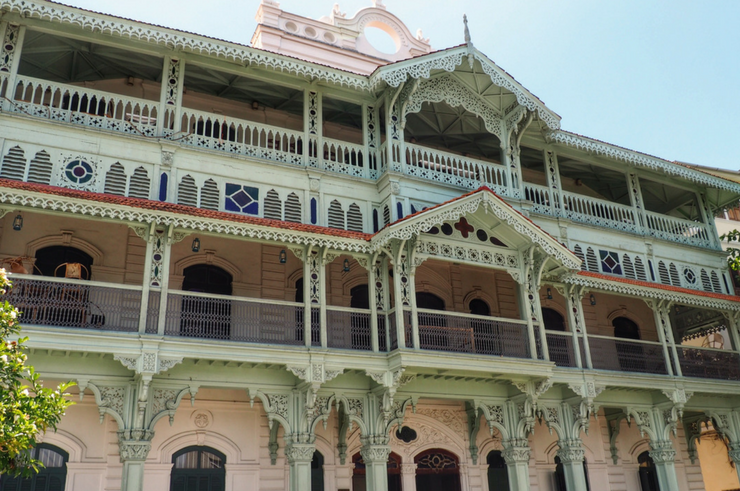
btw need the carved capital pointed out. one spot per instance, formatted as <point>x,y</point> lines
<point>299,452</point>
<point>662,452</point>
<point>570,451</point>
<point>375,453</point>
<point>516,451</point>
<point>134,445</point>
<point>735,453</point>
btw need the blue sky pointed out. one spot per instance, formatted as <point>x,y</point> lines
<point>655,76</point>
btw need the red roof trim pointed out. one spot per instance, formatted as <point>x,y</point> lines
<point>659,286</point>
<point>180,209</point>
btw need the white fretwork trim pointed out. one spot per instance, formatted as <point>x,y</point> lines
<point>121,212</point>
<point>452,211</point>
<point>625,155</point>
<point>656,293</point>
<point>178,40</point>
<point>455,94</point>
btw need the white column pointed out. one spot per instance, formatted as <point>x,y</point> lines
<point>516,454</point>
<point>401,291</point>
<point>149,237</point>
<point>408,477</point>
<point>664,457</point>
<point>10,57</point>
<point>299,457</point>
<point>571,456</point>
<point>170,99</point>
<point>735,456</point>
<point>376,466</point>
<point>163,246</point>
<point>133,447</point>
<point>322,300</point>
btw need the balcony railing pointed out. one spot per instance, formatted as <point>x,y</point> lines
<point>709,363</point>
<point>84,106</point>
<point>61,302</point>
<point>348,328</point>
<point>560,347</point>
<point>467,333</point>
<point>624,355</point>
<point>449,168</point>
<point>677,229</point>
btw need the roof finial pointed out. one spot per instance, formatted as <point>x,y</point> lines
<point>467,31</point>
<point>471,58</point>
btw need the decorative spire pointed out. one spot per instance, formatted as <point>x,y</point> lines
<point>467,31</point>
<point>471,58</point>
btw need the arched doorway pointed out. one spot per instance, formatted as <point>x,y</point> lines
<point>202,315</point>
<point>560,475</point>
<point>61,261</point>
<point>317,471</point>
<point>486,338</point>
<point>359,322</point>
<point>198,469</point>
<point>437,470</point>
<point>631,356</point>
<point>498,473</point>
<point>432,327</point>
<point>648,475</point>
<point>51,477</point>
<point>61,304</point>
<point>394,473</point>
<point>558,345</point>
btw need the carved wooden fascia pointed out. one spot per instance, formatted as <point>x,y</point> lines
<point>614,424</point>
<point>165,401</point>
<point>473,427</point>
<point>148,362</point>
<point>111,400</point>
<point>314,407</point>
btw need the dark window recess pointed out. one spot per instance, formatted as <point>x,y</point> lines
<point>497,242</point>
<point>54,261</point>
<point>314,211</point>
<point>648,475</point>
<point>163,186</point>
<point>51,477</point>
<point>376,224</point>
<point>447,229</point>
<point>198,469</point>
<point>406,434</point>
<point>359,332</point>
<point>437,470</point>
<point>399,210</point>
<point>553,320</point>
<point>205,317</point>
<point>498,474</point>
<point>560,475</point>
<point>394,472</point>
<point>482,235</point>
<point>317,472</point>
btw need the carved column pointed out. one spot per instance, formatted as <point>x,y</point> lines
<point>148,235</point>
<point>10,57</point>
<point>170,99</point>
<point>415,340</point>
<point>553,182</point>
<point>312,287</point>
<point>403,290</point>
<point>516,454</point>
<point>394,134</point>
<point>372,141</point>
<point>665,334</point>
<point>376,466</point>
<point>734,453</point>
<point>313,145</point>
<point>664,456</point>
<point>529,300</point>
<point>133,447</point>
<point>708,218</point>
<point>160,271</point>
<point>641,223</point>
<point>571,455</point>
<point>577,322</point>
<point>378,282</point>
<point>299,456</point>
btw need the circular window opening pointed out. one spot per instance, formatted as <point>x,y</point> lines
<point>406,434</point>
<point>381,40</point>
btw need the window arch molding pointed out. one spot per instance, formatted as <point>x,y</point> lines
<point>290,282</point>
<point>211,260</point>
<point>454,443</point>
<point>430,281</point>
<point>181,441</point>
<point>65,240</point>
<point>75,448</point>
<point>623,312</point>
<point>640,446</point>
<point>481,295</point>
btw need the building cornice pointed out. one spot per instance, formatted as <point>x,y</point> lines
<point>654,291</point>
<point>639,159</point>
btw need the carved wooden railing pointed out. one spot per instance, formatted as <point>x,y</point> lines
<point>626,355</point>
<point>84,106</point>
<point>207,130</point>
<point>709,363</point>
<point>560,348</point>
<point>348,328</point>
<point>599,212</point>
<point>677,229</point>
<point>449,168</point>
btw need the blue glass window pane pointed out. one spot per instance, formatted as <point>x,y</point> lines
<point>399,210</point>
<point>375,221</point>
<point>314,211</point>
<point>252,208</point>
<point>163,187</point>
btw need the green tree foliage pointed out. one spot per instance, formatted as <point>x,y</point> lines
<point>27,409</point>
<point>733,251</point>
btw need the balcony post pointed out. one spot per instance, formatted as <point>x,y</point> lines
<point>529,300</point>
<point>708,221</point>
<point>377,286</point>
<point>577,322</point>
<point>161,253</point>
<point>665,334</point>
<point>402,290</point>
<point>412,297</point>
<point>170,99</point>
<point>10,58</point>
<point>552,169</point>
<point>311,290</point>
<point>394,132</point>
<point>313,146</point>
<point>148,235</point>
<point>326,258</point>
<point>633,184</point>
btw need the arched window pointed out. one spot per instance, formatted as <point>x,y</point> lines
<point>625,328</point>
<point>317,472</point>
<point>426,300</point>
<point>51,477</point>
<point>198,469</point>
<point>394,472</point>
<point>560,475</point>
<point>203,316</point>
<point>553,320</point>
<point>648,476</point>
<point>63,261</point>
<point>498,475</point>
<point>479,307</point>
<point>437,469</point>
<point>431,336</point>
<point>486,334</point>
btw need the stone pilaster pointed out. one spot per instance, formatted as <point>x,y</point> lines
<point>133,447</point>
<point>571,456</point>
<point>735,456</point>
<point>664,456</point>
<point>299,457</point>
